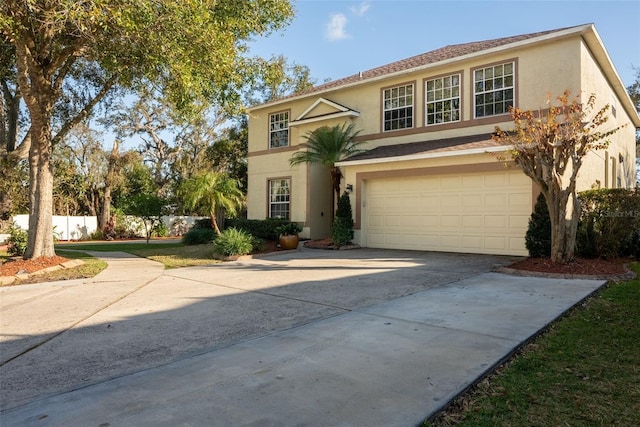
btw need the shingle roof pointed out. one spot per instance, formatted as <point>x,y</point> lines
<point>434,56</point>
<point>427,147</point>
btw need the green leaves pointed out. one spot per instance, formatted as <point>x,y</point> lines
<point>328,145</point>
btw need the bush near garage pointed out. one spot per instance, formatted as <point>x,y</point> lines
<point>538,237</point>
<point>342,228</point>
<point>609,223</point>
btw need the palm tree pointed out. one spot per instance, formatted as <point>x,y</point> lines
<point>212,191</point>
<point>327,146</point>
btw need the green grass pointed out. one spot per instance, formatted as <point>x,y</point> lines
<point>172,255</point>
<point>584,371</point>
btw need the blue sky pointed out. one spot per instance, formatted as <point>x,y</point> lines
<point>339,38</point>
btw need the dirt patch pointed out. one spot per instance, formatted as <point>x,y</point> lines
<point>18,265</point>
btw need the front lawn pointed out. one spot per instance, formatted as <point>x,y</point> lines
<point>172,255</point>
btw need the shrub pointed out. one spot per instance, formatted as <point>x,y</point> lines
<point>160,229</point>
<point>289,229</point>
<point>199,236</point>
<point>538,237</point>
<point>98,235</point>
<point>342,228</point>
<point>202,223</point>
<point>609,223</point>
<point>233,242</point>
<point>262,228</point>
<point>17,241</point>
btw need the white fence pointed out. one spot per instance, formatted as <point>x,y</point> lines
<point>81,227</point>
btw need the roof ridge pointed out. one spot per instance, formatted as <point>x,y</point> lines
<point>433,56</point>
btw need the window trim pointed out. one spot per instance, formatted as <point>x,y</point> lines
<point>472,89</point>
<point>269,131</point>
<point>278,178</point>
<point>414,85</point>
<point>460,74</point>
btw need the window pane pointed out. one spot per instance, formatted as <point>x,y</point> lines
<point>279,198</point>
<point>279,130</point>
<point>494,92</point>
<point>439,101</point>
<point>508,68</point>
<point>398,106</point>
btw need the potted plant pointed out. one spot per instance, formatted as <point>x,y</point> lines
<point>288,235</point>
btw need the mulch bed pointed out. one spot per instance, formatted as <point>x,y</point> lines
<point>580,266</point>
<point>19,265</point>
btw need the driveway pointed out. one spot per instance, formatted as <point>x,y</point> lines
<point>311,337</point>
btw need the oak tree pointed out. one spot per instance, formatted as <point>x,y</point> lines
<point>191,50</point>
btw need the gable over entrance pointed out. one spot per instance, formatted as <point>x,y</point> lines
<point>323,109</point>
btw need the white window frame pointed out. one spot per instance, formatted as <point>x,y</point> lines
<point>492,84</point>
<point>279,129</point>
<point>281,197</point>
<point>442,99</point>
<point>396,102</point>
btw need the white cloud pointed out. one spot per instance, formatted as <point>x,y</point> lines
<point>360,9</point>
<point>336,27</point>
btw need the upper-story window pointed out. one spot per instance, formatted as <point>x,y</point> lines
<point>493,89</point>
<point>442,100</point>
<point>279,129</point>
<point>397,107</point>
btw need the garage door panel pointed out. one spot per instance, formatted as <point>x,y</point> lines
<point>496,221</point>
<point>471,201</point>
<point>496,243</point>
<point>477,213</point>
<point>451,183</point>
<point>452,201</point>
<point>496,201</point>
<point>450,221</point>
<point>472,221</point>
<point>472,242</point>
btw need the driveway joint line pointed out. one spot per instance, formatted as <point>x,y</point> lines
<point>56,334</point>
<point>266,293</point>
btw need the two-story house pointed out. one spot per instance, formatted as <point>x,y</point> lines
<point>431,179</point>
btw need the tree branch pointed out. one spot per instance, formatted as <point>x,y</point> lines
<point>84,113</point>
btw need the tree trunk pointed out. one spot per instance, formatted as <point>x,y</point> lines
<point>40,235</point>
<point>105,213</point>
<point>563,227</point>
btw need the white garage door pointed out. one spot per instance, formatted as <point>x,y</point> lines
<point>484,212</point>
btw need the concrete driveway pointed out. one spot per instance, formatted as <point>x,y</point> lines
<point>363,337</point>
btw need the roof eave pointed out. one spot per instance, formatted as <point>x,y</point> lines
<point>427,155</point>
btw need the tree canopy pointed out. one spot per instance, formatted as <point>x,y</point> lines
<point>70,55</point>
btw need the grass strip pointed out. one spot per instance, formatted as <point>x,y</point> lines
<point>171,255</point>
<point>585,370</point>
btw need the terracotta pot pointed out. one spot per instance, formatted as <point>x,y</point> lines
<point>289,241</point>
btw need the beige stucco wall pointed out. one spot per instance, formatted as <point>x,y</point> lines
<point>602,167</point>
<point>546,68</point>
